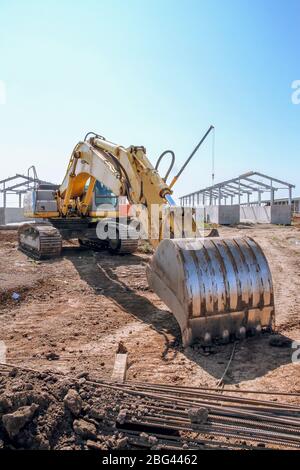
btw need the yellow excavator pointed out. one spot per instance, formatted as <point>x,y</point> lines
<point>217,288</point>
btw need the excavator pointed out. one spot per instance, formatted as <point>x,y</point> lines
<point>218,289</point>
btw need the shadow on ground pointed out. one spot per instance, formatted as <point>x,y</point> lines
<point>97,269</point>
<point>253,358</point>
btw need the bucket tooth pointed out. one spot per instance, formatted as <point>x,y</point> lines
<point>216,288</point>
<point>241,334</point>
<point>225,336</point>
<point>207,338</point>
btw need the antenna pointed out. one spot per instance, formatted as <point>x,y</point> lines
<point>190,157</point>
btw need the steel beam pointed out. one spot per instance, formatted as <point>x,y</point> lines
<point>259,183</point>
<point>275,179</point>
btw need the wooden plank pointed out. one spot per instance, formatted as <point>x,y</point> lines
<point>120,368</point>
<point>3,350</point>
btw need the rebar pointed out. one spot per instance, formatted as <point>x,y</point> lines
<point>164,414</point>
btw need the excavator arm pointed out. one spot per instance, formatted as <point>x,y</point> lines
<point>126,172</point>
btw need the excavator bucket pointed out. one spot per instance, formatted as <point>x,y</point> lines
<point>217,289</point>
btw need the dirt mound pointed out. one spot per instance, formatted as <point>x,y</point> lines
<point>8,236</point>
<point>44,411</point>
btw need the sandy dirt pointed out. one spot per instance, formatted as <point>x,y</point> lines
<point>73,312</point>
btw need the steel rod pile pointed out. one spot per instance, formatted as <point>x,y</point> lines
<point>176,416</point>
<point>244,419</point>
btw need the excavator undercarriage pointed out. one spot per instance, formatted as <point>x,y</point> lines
<point>44,240</point>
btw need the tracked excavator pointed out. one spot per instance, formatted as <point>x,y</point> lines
<point>217,288</point>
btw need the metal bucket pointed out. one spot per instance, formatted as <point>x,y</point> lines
<point>216,288</point>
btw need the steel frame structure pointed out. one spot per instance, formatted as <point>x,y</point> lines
<point>19,184</point>
<point>235,189</point>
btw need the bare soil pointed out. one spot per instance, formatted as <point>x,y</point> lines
<point>73,312</point>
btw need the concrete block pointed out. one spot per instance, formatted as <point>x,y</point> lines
<point>2,216</point>
<point>256,214</point>
<point>223,215</point>
<point>11,215</point>
<point>275,214</point>
<point>281,215</point>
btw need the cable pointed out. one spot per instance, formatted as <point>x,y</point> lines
<point>221,381</point>
<point>121,170</point>
<point>95,135</point>
<point>171,164</point>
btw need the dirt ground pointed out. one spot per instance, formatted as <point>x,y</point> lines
<point>73,312</point>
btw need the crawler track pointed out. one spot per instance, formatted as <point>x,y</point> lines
<point>127,246</point>
<point>39,241</point>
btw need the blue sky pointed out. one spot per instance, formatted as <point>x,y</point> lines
<point>154,73</point>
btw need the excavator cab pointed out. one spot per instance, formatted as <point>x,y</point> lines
<point>103,195</point>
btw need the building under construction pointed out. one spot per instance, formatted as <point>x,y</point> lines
<point>14,188</point>
<point>243,199</point>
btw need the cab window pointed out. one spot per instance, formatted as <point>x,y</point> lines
<point>103,195</point>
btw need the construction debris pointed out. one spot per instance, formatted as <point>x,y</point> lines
<point>198,415</point>
<point>136,415</point>
<point>73,402</point>
<point>14,422</point>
